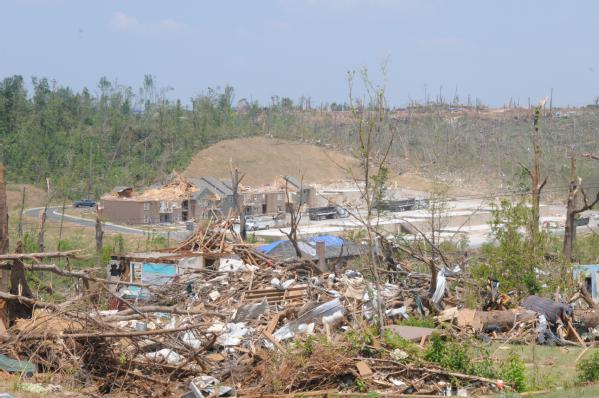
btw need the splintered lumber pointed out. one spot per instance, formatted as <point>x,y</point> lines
<point>35,256</point>
<point>363,369</point>
<point>575,333</point>
<point>111,334</point>
<point>297,293</point>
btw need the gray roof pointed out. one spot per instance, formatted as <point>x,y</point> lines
<point>213,184</point>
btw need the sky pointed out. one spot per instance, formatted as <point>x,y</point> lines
<point>492,50</point>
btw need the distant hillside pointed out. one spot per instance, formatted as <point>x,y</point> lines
<point>262,159</point>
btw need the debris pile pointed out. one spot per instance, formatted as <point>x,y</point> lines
<point>244,324</point>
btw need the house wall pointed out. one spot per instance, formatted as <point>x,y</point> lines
<point>275,202</point>
<point>588,270</point>
<point>122,211</point>
<point>131,212</point>
<point>206,201</point>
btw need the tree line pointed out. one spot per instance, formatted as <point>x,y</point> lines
<point>90,140</point>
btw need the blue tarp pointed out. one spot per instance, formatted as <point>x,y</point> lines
<point>158,274</point>
<point>267,248</point>
<point>152,274</point>
<point>329,241</point>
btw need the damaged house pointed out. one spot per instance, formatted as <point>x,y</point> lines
<point>327,248</point>
<point>185,199</point>
<point>164,204</point>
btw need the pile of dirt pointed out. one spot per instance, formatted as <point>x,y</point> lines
<point>263,159</point>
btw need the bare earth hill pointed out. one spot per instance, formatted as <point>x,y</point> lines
<point>263,159</point>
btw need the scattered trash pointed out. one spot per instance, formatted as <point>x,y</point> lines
<point>165,355</point>
<point>208,386</point>
<point>327,312</point>
<point>232,333</point>
<point>398,355</point>
<point>231,322</point>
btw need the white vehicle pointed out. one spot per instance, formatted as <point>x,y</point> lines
<point>256,224</point>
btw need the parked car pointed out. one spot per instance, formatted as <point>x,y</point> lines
<point>84,203</point>
<point>256,224</point>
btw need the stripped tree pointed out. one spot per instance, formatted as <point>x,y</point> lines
<point>295,215</point>
<point>537,182</point>
<point>237,199</point>
<point>375,135</point>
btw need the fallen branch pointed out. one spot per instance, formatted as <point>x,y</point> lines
<point>36,256</point>
<point>435,370</point>
<point>27,300</point>
<point>73,274</point>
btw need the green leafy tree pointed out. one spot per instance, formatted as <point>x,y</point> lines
<point>510,258</point>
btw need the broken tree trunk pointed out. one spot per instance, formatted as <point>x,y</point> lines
<point>502,319</point>
<point>295,217</point>
<point>570,226</point>
<point>40,236</point>
<point>237,199</point>
<point>4,274</point>
<point>573,209</point>
<point>19,287</point>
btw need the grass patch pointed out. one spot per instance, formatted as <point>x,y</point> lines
<point>546,367</point>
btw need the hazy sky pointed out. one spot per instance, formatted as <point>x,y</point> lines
<point>493,50</point>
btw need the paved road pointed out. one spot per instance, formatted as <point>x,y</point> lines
<point>54,214</point>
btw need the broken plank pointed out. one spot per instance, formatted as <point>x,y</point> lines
<point>363,369</point>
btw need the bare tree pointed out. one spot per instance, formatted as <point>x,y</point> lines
<point>375,135</point>
<point>537,182</point>
<point>235,183</point>
<point>295,214</point>
<point>574,208</point>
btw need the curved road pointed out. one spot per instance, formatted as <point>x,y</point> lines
<point>54,214</point>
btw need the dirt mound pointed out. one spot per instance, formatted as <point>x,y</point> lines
<point>263,159</point>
